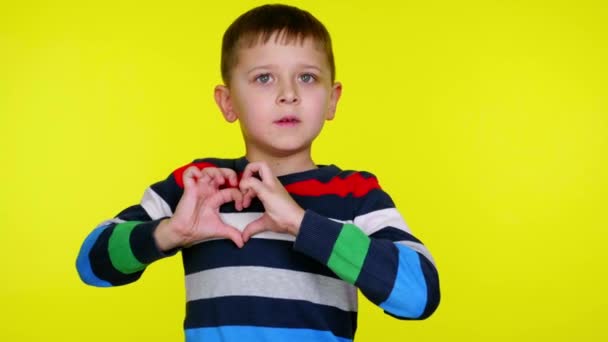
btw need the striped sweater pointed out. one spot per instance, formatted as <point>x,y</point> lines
<point>278,287</point>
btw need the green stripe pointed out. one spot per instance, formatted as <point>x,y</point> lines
<point>349,253</point>
<point>119,248</point>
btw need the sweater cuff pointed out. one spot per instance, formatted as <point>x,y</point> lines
<point>317,236</point>
<point>144,245</point>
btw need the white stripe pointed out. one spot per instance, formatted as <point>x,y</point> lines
<point>107,222</point>
<point>241,220</point>
<point>420,248</point>
<point>271,283</point>
<point>376,220</point>
<point>154,205</point>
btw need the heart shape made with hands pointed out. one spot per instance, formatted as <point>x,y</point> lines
<point>205,190</point>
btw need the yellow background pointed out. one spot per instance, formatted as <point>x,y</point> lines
<point>487,121</point>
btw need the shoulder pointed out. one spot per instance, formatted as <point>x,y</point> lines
<point>359,182</point>
<point>365,188</point>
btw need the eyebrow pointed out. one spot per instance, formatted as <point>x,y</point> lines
<point>271,66</point>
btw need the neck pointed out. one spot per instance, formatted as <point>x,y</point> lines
<point>283,165</point>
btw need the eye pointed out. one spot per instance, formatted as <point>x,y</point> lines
<point>308,78</point>
<point>263,78</point>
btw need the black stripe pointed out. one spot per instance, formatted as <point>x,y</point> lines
<point>379,271</point>
<point>324,173</point>
<point>218,162</point>
<point>169,191</point>
<point>256,206</point>
<point>256,252</point>
<point>331,205</point>
<point>394,234</point>
<point>134,213</point>
<point>317,236</point>
<point>269,312</point>
<point>143,245</point>
<point>101,264</point>
<point>433,294</point>
<point>334,206</point>
<point>375,199</point>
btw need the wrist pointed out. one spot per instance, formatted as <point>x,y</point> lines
<point>165,236</point>
<point>296,223</point>
<point>317,236</point>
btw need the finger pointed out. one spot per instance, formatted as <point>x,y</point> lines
<point>252,187</point>
<point>192,171</point>
<point>231,233</point>
<point>190,176</point>
<point>248,197</point>
<point>230,175</point>
<point>205,185</point>
<point>251,169</point>
<point>264,171</point>
<point>215,174</point>
<point>248,192</point>
<point>257,226</point>
<point>238,198</point>
<point>224,196</point>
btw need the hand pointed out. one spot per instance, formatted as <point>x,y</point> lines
<point>282,214</point>
<point>196,217</point>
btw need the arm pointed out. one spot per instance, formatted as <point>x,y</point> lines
<point>117,251</point>
<point>376,251</point>
<point>391,267</point>
<point>177,212</point>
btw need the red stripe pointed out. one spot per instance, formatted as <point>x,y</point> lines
<point>179,173</point>
<point>354,184</point>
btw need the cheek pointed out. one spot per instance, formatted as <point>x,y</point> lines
<point>251,102</point>
<point>321,100</point>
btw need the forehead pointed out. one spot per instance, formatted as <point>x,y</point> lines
<point>280,49</point>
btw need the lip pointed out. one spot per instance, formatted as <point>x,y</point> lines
<point>287,121</point>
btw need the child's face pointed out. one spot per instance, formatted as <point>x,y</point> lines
<point>281,94</point>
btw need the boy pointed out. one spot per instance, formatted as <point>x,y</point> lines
<point>274,246</point>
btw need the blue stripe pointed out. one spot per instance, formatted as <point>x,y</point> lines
<point>83,264</point>
<point>409,295</point>
<point>255,334</point>
<point>269,312</point>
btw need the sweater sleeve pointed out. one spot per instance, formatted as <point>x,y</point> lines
<point>118,251</point>
<point>377,253</point>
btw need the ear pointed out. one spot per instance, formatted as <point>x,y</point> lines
<point>336,92</point>
<point>224,101</point>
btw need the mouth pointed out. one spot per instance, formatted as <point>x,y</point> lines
<point>289,120</point>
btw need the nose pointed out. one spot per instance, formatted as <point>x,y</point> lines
<point>288,94</point>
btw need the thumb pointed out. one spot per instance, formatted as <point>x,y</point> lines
<point>261,224</point>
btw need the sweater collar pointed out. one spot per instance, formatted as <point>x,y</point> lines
<point>323,173</point>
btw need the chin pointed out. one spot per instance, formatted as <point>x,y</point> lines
<point>288,149</point>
